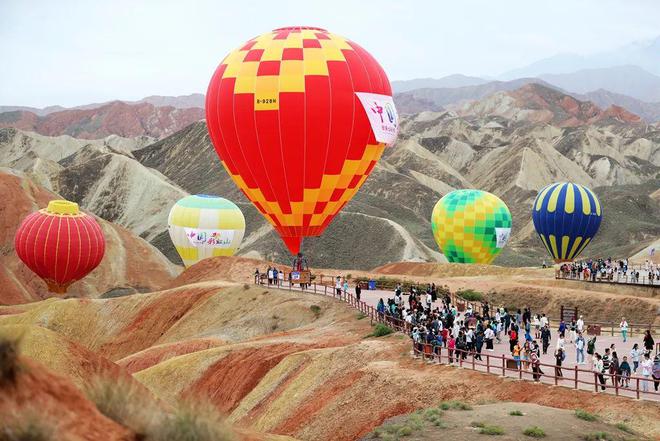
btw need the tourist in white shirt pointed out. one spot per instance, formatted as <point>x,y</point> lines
<point>647,369</point>
<point>624,328</point>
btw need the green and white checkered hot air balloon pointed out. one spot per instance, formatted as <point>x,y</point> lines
<point>202,226</point>
<point>471,226</point>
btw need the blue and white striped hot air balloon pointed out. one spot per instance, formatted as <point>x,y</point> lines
<point>566,217</point>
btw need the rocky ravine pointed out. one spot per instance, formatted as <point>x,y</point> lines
<point>510,143</point>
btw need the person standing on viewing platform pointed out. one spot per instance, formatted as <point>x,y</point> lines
<point>545,338</point>
<point>559,358</point>
<point>624,372</point>
<point>489,335</point>
<point>655,372</point>
<point>544,321</point>
<point>573,329</point>
<point>598,369</point>
<point>345,287</point>
<point>579,348</point>
<point>647,369</point>
<point>358,291</point>
<point>623,326</point>
<point>635,354</point>
<point>580,325</point>
<point>338,287</point>
<point>280,278</point>
<point>648,341</point>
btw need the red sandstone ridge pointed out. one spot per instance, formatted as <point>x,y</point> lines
<point>536,103</point>
<point>117,270</point>
<point>115,118</point>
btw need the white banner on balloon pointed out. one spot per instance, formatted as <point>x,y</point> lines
<point>502,235</point>
<point>209,238</point>
<point>382,116</point>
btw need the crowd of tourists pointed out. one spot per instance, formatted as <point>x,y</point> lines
<point>600,270</point>
<point>433,320</point>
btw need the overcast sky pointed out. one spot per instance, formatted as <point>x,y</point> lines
<point>76,52</point>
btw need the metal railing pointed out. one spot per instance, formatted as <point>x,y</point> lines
<point>612,279</point>
<point>575,378</point>
<point>494,364</point>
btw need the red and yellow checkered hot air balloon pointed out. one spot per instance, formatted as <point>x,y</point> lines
<point>299,117</point>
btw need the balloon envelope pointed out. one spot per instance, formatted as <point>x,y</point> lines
<point>202,226</point>
<point>60,244</point>
<point>299,116</point>
<point>566,217</point>
<point>471,226</point>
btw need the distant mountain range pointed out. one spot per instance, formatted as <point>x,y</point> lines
<point>178,102</point>
<point>511,143</point>
<point>115,118</point>
<point>643,54</point>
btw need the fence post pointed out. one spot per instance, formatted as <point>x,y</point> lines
<point>503,366</point>
<point>519,369</point>
<point>637,379</point>
<point>314,287</point>
<point>576,376</point>
<point>595,382</point>
<point>488,363</point>
<point>460,358</point>
<point>612,330</point>
<point>473,362</point>
<point>615,379</point>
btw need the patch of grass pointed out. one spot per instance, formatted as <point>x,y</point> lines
<point>26,428</point>
<point>584,415</point>
<point>361,316</point>
<point>439,423</point>
<point>9,365</point>
<point>380,330</point>
<point>454,405</point>
<point>193,423</point>
<point>478,424</point>
<point>432,414</point>
<point>316,309</point>
<point>516,413</point>
<point>125,403</point>
<point>491,430</point>
<point>405,431</point>
<point>534,432</point>
<point>470,295</point>
<point>597,436</point>
<point>392,428</point>
<point>625,428</point>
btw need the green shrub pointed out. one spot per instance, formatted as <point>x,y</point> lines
<point>415,421</point>
<point>439,423</point>
<point>381,330</point>
<point>454,405</point>
<point>625,428</point>
<point>432,414</point>
<point>516,413</point>
<point>392,428</point>
<point>405,431</point>
<point>584,415</point>
<point>478,424</point>
<point>470,295</point>
<point>491,430</point>
<point>597,436</point>
<point>534,432</point>
<point>316,309</point>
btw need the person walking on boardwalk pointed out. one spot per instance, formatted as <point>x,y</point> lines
<point>579,349</point>
<point>647,369</point>
<point>559,358</point>
<point>598,369</point>
<point>648,341</point>
<point>545,338</point>
<point>635,354</point>
<point>623,327</point>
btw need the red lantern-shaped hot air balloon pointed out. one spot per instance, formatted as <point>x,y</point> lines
<point>299,117</point>
<point>60,244</point>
